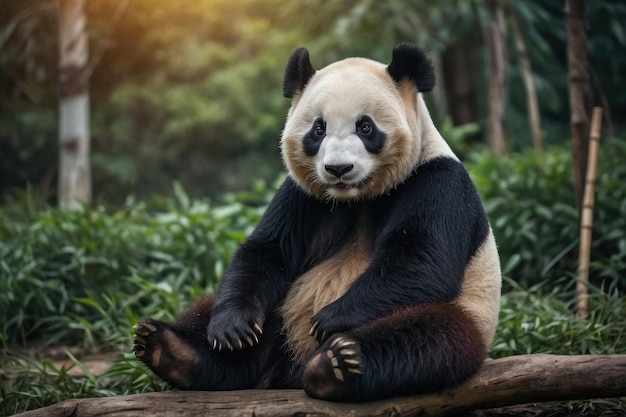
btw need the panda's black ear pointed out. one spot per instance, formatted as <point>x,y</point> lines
<point>298,72</point>
<point>412,63</point>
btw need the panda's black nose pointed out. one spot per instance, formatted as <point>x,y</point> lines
<point>339,170</point>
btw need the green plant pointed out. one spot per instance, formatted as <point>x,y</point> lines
<point>540,320</point>
<point>529,198</point>
<point>73,276</point>
<point>37,382</point>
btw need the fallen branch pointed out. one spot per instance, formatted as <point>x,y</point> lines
<point>501,382</point>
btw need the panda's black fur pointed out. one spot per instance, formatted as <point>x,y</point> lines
<point>370,275</point>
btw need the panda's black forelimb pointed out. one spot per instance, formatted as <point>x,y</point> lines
<point>287,241</point>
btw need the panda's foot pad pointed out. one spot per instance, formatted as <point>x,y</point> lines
<point>164,352</point>
<point>330,374</point>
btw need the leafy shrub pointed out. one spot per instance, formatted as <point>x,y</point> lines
<point>530,200</point>
<point>66,272</point>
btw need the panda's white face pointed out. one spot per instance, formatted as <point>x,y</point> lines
<point>352,133</point>
<point>342,163</point>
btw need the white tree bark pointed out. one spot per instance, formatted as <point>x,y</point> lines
<point>74,167</point>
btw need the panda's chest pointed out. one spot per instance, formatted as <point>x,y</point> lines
<point>320,286</point>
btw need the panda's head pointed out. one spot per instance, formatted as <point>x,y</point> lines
<point>355,129</point>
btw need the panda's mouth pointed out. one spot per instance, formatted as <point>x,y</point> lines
<point>344,186</point>
<point>347,186</point>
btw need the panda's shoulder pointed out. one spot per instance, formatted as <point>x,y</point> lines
<point>440,188</point>
<point>444,175</point>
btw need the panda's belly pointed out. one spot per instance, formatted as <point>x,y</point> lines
<point>316,288</point>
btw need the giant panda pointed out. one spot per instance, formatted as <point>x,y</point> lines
<point>373,272</point>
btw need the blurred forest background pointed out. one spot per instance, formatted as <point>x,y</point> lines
<point>185,115</point>
<point>190,91</point>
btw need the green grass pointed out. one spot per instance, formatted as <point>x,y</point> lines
<point>542,320</point>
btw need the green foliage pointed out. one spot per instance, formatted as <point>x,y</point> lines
<point>219,120</point>
<point>76,276</point>
<point>456,135</point>
<point>540,320</point>
<point>40,382</point>
<point>530,200</point>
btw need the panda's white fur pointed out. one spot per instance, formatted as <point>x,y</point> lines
<point>480,294</point>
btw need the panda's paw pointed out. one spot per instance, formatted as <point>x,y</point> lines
<point>331,373</point>
<point>144,342</point>
<point>160,348</point>
<point>234,331</point>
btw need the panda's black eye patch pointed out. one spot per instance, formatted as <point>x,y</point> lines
<point>313,138</point>
<point>373,138</point>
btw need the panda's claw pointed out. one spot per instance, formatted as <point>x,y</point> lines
<point>355,371</point>
<point>313,331</point>
<point>340,342</point>
<point>144,329</point>
<point>139,350</point>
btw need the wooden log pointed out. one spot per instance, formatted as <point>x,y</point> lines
<point>502,382</point>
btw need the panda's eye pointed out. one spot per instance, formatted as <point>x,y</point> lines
<point>319,130</point>
<point>365,129</point>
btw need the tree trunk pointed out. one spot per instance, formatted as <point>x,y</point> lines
<point>74,168</point>
<point>501,382</point>
<point>494,35</point>
<point>578,81</point>
<point>527,76</point>
<point>460,64</point>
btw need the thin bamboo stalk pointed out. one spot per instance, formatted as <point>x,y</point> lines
<point>586,223</point>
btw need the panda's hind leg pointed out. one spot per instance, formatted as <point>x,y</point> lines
<point>158,346</point>
<point>175,351</point>
<point>180,354</point>
<point>415,350</point>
